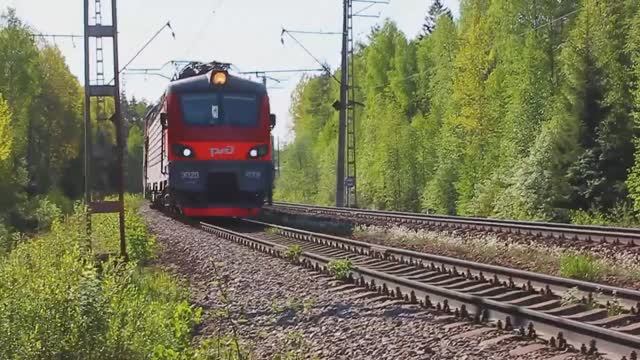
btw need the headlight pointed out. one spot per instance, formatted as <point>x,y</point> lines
<point>218,78</point>
<point>183,151</point>
<point>258,151</point>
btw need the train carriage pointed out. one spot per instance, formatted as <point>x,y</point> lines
<point>208,148</point>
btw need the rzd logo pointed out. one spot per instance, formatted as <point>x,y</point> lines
<point>227,150</point>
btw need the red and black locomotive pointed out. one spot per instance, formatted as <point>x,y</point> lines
<point>208,144</point>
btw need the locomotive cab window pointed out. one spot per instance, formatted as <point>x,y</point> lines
<point>201,109</point>
<point>240,109</point>
<point>220,109</point>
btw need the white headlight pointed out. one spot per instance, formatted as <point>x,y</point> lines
<point>186,152</point>
<point>253,153</point>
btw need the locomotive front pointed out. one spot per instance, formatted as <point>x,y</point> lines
<point>216,145</point>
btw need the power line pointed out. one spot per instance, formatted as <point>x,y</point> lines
<point>167,25</point>
<point>365,9</point>
<point>551,22</point>
<point>314,32</point>
<point>285,31</point>
<point>371,2</point>
<point>145,73</point>
<point>203,27</point>
<point>67,36</point>
<point>281,71</point>
<point>263,73</point>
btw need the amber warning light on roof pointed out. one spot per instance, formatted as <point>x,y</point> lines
<point>218,78</point>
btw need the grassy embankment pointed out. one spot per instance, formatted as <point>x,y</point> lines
<point>58,301</point>
<point>618,268</point>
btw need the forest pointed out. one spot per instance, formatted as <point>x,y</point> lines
<point>41,134</point>
<point>523,109</point>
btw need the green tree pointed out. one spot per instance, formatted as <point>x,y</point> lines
<point>435,59</point>
<point>56,121</point>
<point>133,168</point>
<point>600,100</point>
<point>633,48</point>
<point>435,11</point>
<point>6,139</point>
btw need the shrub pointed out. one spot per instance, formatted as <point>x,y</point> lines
<point>340,268</point>
<point>293,253</point>
<point>272,231</point>
<point>614,306</point>
<point>579,266</point>
<point>57,197</point>
<point>106,239</point>
<point>621,215</point>
<point>46,213</point>
<point>55,302</point>
<point>140,244</point>
<point>5,239</point>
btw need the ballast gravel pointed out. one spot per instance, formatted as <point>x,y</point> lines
<point>277,307</point>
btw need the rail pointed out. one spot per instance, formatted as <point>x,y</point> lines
<point>616,235</point>
<point>464,289</point>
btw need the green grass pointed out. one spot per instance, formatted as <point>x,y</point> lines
<point>105,240</point>
<point>616,268</point>
<point>57,302</point>
<point>340,268</point>
<point>581,267</point>
<point>293,253</point>
<point>272,231</point>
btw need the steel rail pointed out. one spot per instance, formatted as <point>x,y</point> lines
<point>630,236</point>
<point>471,306</point>
<point>541,283</point>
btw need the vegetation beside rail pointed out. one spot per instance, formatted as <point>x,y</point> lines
<point>41,129</point>
<point>515,109</point>
<point>58,301</point>
<point>614,267</point>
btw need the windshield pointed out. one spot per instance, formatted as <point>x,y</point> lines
<point>220,109</point>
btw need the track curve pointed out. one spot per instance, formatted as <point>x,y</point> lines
<point>503,297</point>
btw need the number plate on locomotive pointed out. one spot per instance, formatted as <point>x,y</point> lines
<point>190,175</point>
<point>253,174</point>
<point>227,150</point>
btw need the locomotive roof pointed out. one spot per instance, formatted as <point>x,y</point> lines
<point>202,83</point>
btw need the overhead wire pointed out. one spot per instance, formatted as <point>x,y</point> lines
<point>551,22</point>
<point>524,33</point>
<point>207,17</point>
<point>167,25</point>
<point>325,67</point>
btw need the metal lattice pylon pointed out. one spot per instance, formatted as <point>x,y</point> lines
<point>351,188</point>
<point>97,31</point>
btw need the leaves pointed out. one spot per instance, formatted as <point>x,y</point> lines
<point>6,138</point>
<point>57,302</point>
<point>521,109</point>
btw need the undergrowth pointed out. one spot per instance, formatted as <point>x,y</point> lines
<point>580,266</point>
<point>621,215</point>
<point>293,253</point>
<point>106,240</point>
<point>340,268</point>
<point>621,267</point>
<point>58,302</point>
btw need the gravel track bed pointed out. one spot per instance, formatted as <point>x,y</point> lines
<point>388,234</point>
<point>606,249</point>
<point>331,323</point>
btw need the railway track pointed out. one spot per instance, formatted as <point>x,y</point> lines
<point>614,235</point>
<point>527,303</point>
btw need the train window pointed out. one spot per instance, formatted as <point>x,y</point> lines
<point>201,109</point>
<point>240,109</point>
<point>206,109</point>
